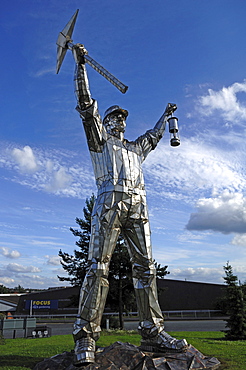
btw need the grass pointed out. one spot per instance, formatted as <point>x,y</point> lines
<point>23,354</point>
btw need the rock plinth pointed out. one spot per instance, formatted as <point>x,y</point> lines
<point>125,356</point>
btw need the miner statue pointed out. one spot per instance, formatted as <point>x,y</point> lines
<point>120,207</point>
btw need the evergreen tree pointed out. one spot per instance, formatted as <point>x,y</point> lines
<point>75,265</point>
<point>121,292</point>
<point>121,295</point>
<point>235,303</point>
<point>19,289</point>
<point>4,289</point>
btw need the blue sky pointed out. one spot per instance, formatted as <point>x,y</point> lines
<point>188,52</point>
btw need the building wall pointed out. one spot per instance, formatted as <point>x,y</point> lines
<point>174,295</point>
<point>188,295</point>
<point>64,297</point>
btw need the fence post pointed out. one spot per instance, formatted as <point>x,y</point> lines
<point>107,324</point>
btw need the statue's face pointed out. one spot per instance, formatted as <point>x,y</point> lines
<point>115,123</point>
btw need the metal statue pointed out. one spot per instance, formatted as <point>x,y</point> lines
<point>64,42</point>
<point>120,207</point>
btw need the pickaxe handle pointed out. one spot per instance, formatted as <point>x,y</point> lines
<point>64,43</point>
<point>105,73</point>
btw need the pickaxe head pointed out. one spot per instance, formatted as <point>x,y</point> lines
<point>63,39</point>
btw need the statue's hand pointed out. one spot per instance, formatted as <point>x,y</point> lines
<point>80,52</point>
<point>170,108</point>
<point>82,49</point>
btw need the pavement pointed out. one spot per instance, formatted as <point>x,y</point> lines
<point>180,325</point>
<point>186,325</point>
<point>175,325</point>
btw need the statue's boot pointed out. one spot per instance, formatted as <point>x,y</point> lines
<point>84,351</point>
<point>163,342</point>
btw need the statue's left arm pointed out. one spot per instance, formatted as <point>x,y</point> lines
<point>150,139</point>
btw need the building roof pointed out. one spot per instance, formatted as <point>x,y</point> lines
<point>11,298</point>
<point>6,305</point>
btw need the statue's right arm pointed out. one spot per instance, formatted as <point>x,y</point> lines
<point>82,89</point>
<point>86,106</point>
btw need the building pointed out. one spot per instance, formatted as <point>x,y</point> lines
<point>9,302</point>
<point>51,301</point>
<point>188,295</point>
<point>174,295</point>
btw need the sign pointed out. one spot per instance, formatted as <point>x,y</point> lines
<point>42,304</point>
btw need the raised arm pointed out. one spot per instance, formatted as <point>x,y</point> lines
<point>150,139</point>
<point>86,106</point>
<point>82,89</point>
<point>160,126</point>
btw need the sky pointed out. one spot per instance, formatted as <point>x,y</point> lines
<point>188,52</point>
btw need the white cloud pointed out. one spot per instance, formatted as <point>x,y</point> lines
<point>49,243</point>
<point>44,71</point>
<point>191,238</point>
<point>225,101</point>
<point>193,168</point>
<point>6,281</point>
<point>53,260</point>
<point>239,239</point>
<point>178,173</point>
<point>59,172</point>
<point>6,252</point>
<point>225,213</point>
<point>202,274</point>
<point>60,180</point>
<point>171,255</point>
<point>26,159</point>
<point>49,165</point>
<point>27,276</point>
<point>15,267</point>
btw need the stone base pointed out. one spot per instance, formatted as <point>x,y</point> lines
<point>125,356</point>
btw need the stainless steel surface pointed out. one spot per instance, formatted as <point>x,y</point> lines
<point>120,207</point>
<point>105,73</point>
<point>63,38</point>
<point>64,42</point>
<point>173,129</point>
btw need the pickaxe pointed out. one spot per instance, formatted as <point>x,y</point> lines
<point>64,42</point>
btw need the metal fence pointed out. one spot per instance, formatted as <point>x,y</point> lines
<point>181,314</point>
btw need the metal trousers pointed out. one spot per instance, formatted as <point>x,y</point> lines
<point>115,213</point>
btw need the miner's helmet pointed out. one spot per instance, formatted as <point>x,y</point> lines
<point>114,109</point>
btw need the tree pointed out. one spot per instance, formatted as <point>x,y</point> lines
<point>19,289</point>
<point>4,289</point>
<point>121,291</point>
<point>120,283</point>
<point>75,265</point>
<point>235,304</point>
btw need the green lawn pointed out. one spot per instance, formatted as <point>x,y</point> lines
<point>20,354</point>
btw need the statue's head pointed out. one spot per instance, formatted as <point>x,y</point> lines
<point>115,120</point>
